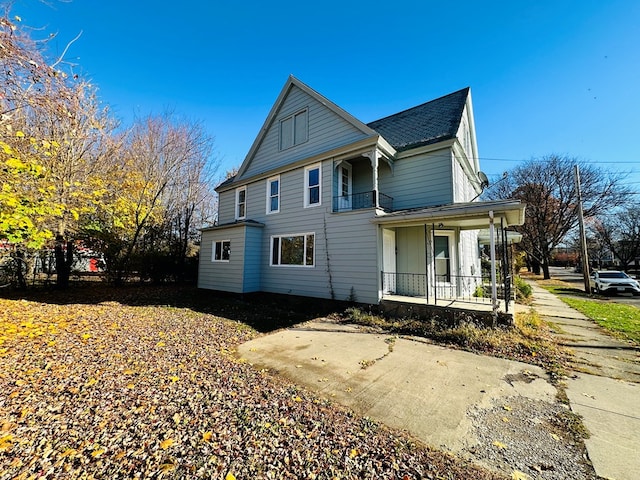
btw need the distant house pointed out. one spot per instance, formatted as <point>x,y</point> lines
<point>327,206</point>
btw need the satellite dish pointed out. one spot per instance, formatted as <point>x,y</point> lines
<point>484,181</point>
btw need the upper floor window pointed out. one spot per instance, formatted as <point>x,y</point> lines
<point>241,203</point>
<point>312,185</point>
<point>273,195</point>
<point>221,251</point>
<point>294,130</point>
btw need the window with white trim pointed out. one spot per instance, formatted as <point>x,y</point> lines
<point>273,195</point>
<point>442,258</point>
<point>294,130</point>
<point>221,251</point>
<point>241,203</point>
<point>312,185</point>
<point>296,250</point>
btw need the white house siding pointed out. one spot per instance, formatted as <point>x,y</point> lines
<point>362,176</point>
<point>353,256</point>
<point>351,241</point>
<point>326,131</point>
<point>470,258</point>
<point>420,181</point>
<point>411,250</point>
<point>253,259</point>
<point>225,276</point>
<point>463,190</point>
<point>226,207</point>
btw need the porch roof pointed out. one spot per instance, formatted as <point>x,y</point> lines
<point>467,216</point>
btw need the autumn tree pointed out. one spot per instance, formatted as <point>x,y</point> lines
<point>620,233</point>
<point>547,186</point>
<point>156,199</point>
<point>53,121</point>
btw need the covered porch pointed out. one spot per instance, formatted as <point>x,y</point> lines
<point>437,255</point>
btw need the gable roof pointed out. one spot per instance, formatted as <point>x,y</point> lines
<point>290,83</point>
<point>431,122</point>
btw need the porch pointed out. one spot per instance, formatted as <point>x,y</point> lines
<point>441,256</point>
<point>456,297</point>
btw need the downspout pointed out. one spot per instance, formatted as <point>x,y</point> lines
<point>494,292</point>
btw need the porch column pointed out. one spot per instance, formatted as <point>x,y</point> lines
<point>373,157</point>
<point>492,243</point>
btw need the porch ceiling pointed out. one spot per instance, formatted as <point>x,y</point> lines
<point>466,216</point>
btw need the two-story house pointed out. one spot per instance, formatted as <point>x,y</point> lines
<point>327,206</point>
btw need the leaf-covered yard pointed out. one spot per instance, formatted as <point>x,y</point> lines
<point>107,389</point>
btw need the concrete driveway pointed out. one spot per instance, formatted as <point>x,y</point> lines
<point>411,385</point>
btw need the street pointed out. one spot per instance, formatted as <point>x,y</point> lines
<point>569,276</point>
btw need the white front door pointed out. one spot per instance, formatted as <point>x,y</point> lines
<point>389,260</point>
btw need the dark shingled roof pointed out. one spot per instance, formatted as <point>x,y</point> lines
<point>425,124</point>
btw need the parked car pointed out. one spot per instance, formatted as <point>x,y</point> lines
<point>613,281</point>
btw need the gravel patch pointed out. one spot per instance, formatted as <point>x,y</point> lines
<point>529,438</point>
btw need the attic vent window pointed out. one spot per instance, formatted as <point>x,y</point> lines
<point>294,130</point>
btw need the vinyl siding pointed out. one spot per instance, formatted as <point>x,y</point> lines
<point>326,131</point>
<point>252,259</point>
<point>420,181</point>
<point>353,262</point>
<point>227,207</point>
<point>225,276</point>
<point>411,250</point>
<point>463,190</point>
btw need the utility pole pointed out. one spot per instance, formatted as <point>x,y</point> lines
<point>583,236</point>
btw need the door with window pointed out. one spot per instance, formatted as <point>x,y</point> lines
<point>442,257</point>
<point>345,189</point>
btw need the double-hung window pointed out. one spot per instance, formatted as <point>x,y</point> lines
<point>221,251</point>
<point>273,195</point>
<point>294,129</point>
<point>241,203</point>
<point>312,185</point>
<point>298,249</point>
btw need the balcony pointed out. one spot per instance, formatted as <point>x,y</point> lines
<point>359,201</point>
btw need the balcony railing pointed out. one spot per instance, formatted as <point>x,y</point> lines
<point>470,288</point>
<point>358,201</point>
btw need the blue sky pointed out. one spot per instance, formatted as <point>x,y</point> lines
<point>547,76</point>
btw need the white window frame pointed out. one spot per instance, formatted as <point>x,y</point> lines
<point>237,212</point>
<point>307,187</point>
<point>270,196</point>
<point>304,263</point>
<point>345,202</point>
<point>453,258</point>
<point>298,125</point>
<point>214,249</point>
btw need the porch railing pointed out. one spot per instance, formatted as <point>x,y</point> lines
<point>358,201</point>
<point>469,288</point>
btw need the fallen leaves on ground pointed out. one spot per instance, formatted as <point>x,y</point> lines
<point>109,390</point>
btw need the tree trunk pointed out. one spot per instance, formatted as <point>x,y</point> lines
<point>545,271</point>
<point>22,282</point>
<point>535,266</point>
<point>64,259</point>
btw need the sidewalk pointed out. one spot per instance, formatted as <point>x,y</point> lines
<point>605,390</point>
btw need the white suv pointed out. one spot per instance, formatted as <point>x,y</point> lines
<point>612,281</point>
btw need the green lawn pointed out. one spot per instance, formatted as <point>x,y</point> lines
<point>619,319</point>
